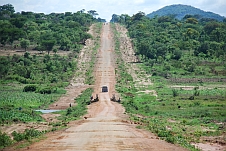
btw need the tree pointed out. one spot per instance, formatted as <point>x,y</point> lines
<point>177,53</point>
<point>10,34</point>
<point>218,35</point>
<point>93,13</point>
<point>18,21</point>
<point>65,43</point>
<point>24,43</point>
<point>7,8</point>
<point>192,21</point>
<point>34,36</point>
<point>115,18</point>
<point>209,27</point>
<point>203,48</point>
<point>4,66</point>
<point>48,41</point>
<point>138,16</point>
<point>48,44</point>
<point>68,13</point>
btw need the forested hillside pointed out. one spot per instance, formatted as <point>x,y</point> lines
<point>180,11</point>
<point>185,60</point>
<point>180,47</point>
<point>39,31</point>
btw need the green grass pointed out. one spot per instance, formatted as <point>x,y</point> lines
<point>75,112</point>
<point>179,119</point>
<point>18,106</point>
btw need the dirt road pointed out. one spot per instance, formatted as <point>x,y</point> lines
<point>105,127</point>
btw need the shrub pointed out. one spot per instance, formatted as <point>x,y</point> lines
<point>17,136</point>
<point>175,92</point>
<point>191,97</point>
<point>4,140</point>
<point>196,93</point>
<point>44,90</point>
<point>30,88</point>
<point>27,134</point>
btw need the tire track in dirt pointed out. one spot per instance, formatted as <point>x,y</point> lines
<point>105,127</point>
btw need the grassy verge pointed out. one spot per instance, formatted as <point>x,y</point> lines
<point>89,74</point>
<point>75,112</point>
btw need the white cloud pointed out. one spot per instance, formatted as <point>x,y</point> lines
<point>139,1</point>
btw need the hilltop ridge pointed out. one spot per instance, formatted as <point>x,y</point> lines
<point>180,11</point>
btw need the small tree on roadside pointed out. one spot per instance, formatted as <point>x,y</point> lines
<point>24,43</point>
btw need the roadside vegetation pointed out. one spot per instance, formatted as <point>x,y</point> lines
<point>89,79</point>
<point>75,112</point>
<point>34,81</point>
<point>187,62</point>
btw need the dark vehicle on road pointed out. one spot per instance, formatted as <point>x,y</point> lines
<point>104,89</point>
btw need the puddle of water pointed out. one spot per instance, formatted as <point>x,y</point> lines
<point>47,111</point>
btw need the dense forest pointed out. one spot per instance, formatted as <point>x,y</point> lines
<point>172,48</point>
<point>64,31</point>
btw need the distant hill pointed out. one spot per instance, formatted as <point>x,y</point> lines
<point>181,10</point>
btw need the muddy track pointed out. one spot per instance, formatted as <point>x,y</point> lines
<point>105,126</point>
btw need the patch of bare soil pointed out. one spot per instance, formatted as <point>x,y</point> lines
<point>209,146</point>
<point>152,92</point>
<point>50,117</point>
<point>131,61</point>
<point>20,127</point>
<point>10,52</point>
<point>211,143</point>
<point>105,126</point>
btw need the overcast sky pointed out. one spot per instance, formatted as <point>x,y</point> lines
<point>105,8</point>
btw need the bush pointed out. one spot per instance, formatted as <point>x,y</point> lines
<point>44,90</point>
<point>27,134</point>
<point>175,92</point>
<point>191,97</point>
<point>30,88</point>
<point>17,136</point>
<point>4,140</point>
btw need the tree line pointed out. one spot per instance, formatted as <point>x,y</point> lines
<point>177,43</point>
<point>45,32</point>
